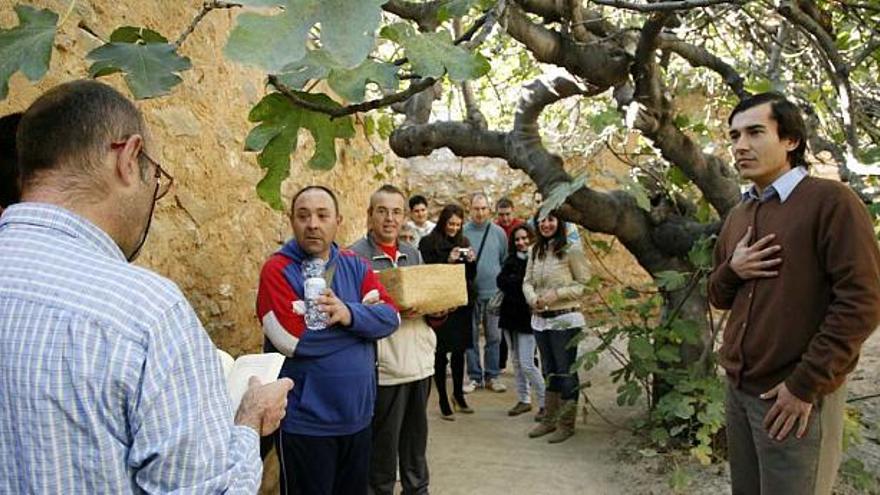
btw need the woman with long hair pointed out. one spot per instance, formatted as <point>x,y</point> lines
<point>553,285</point>
<point>516,322</point>
<point>447,244</point>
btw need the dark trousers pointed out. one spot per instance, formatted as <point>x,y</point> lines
<point>440,363</point>
<point>760,465</point>
<point>556,361</point>
<point>324,465</point>
<point>400,431</point>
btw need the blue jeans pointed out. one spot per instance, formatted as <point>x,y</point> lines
<point>489,370</point>
<point>557,359</point>
<point>528,377</point>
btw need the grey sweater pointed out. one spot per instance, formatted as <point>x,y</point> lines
<point>494,254</point>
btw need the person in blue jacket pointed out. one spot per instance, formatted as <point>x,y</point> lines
<point>324,441</point>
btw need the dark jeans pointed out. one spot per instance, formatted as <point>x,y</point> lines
<point>556,361</point>
<point>761,465</point>
<point>324,465</point>
<point>400,430</point>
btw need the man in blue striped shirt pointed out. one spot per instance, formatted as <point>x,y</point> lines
<point>109,382</point>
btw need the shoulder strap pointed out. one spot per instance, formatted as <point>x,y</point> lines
<point>483,242</point>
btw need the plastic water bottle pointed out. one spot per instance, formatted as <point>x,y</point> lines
<point>313,285</point>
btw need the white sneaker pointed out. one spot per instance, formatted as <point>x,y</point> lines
<point>495,385</point>
<point>469,387</point>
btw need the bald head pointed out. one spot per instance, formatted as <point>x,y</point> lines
<point>69,128</point>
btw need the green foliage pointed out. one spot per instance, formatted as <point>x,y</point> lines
<point>685,399</point>
<point>276,137</point>
<point>28,46</point>
<point>854,473</point>
<point>560,192</point>
<point>151,65</point>
<point>351,84</point>
<point>348,32</point>
<point>433,54</point>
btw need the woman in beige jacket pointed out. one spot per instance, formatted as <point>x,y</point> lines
<point>554,283</point>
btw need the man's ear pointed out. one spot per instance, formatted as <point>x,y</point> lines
<point>126,164</point>
<point>338,219</point>
<point>791,144</point>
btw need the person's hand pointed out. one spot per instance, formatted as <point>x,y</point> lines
<point>786,411</point>
<point>454,254</point>
<point>540,304</point>
<point>334,308</point>
<point>754,261</point>
<point>409,313</point>
<point>471,255</point>
<point>263,406</point>
<point>550,297</point>
<point>439,314</point>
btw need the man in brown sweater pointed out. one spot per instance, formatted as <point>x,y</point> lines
<point>798,267</point>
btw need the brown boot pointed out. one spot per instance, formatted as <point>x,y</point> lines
<point>565,423</point>
<point>548,423</point>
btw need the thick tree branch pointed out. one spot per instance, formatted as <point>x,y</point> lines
<point>668,6</point>
<point>603,64</point>
<point>424,14</point>
<point>714,178</point>
<point>700,57</point>
<point>838,72</point>
<point>554,11</point>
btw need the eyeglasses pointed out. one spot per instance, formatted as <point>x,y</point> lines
<point>163,178</point>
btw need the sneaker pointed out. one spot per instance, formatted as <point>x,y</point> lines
<point>469,386</point>
<point>519,408</point>
<point>495,385</point>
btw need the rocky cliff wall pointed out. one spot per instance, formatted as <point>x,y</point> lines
<point>212,233</point>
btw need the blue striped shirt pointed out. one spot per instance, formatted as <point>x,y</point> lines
<point>108,382</point>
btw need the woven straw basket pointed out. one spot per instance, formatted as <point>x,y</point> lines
<point>426,288</point>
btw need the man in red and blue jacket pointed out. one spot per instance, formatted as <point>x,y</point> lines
<point>324,440</point>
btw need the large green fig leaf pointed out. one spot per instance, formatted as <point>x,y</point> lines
<point>276,138</point>
<point>348,31</point>
<point>28,46</point>
<point>432,54</point>
<point>151,64</point>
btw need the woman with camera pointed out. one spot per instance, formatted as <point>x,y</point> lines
<point>447,244</point>
<point>554,283</point>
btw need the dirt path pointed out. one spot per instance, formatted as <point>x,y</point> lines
<point>488,453</point>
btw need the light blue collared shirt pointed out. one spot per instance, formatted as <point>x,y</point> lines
<point>782,186</point>
<point>108,382</point>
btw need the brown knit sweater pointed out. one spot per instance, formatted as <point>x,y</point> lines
<point>805,326</point>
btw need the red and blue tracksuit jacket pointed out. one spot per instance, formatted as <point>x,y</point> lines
<point>333,370</point>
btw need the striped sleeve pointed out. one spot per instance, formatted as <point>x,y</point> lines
<point>275,298</point>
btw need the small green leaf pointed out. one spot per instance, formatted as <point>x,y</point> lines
<point>151,65</point>
<point>369,125</point>
<point>28,46</point>
<point>351,83</point>
<point>433,54</point>
<point>454,8</point>
<point>276,138</point>
<point>640,348</point>
<point>386,126</point>
<point>135,34</point>
<point>670,280</point>
<point>316,64</point>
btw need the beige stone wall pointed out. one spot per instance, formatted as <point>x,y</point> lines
<point>212,233</point>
